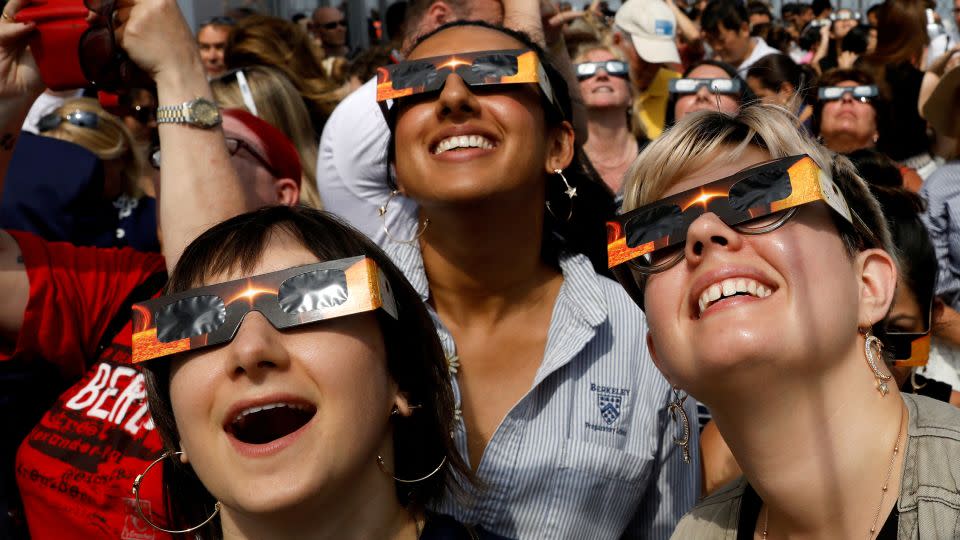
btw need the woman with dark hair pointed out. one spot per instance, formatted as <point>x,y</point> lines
<point>848,110</point>
<point>333,423</point>
<point>710,85</point>
<point>556,415</point>
<point>896,65</point>
<point>766,271</point>
<point>778,80</point>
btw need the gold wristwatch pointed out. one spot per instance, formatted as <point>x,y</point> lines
<point>200,112</point>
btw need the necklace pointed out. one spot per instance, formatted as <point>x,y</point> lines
<point>883,490</point>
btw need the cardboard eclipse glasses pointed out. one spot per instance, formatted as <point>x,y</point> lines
<point>716,86</point>
<point>211,315</point>
<point>483,68</point>
<point>614,68</point>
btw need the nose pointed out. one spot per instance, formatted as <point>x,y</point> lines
<point>601,73</point>
<point>456,98</point>
<point>708,233</point>
<point>847,97</point>
<point>257,348</point>
<point>704,93</point>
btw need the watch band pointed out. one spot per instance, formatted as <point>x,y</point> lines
<point>173,114</point>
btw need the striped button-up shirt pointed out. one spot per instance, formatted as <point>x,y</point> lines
<point>942,218</point>
<point>588,452</point>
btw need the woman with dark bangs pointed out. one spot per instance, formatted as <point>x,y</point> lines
<point>334,429</point>
<point>558,414</point>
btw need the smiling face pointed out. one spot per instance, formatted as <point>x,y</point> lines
<point>466,144</point>
<point>602,91</point>
<point>848,124</point>
<point>765,294</point>
<point>704,99</point>
<point>274,419</point>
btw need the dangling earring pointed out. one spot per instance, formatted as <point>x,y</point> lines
<point>571,192</point>
<point>872,354</point>
<point>679,414</point>
<point>383,216</point>
<point>386,471</point>
<point>136,496</point>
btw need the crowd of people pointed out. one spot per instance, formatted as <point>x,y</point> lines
<point>519,269</point>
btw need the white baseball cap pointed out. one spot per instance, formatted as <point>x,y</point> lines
<point>652,27</point>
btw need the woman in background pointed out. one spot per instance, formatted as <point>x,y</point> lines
<point>266,93</point>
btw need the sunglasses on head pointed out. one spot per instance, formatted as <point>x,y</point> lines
<point>716,86</point>
<point>210,315</point>
<point>862,93</point>
<point>757,200</point>
<point>614,68</point>
<point>102,61</point>
<point>476,69</point>
<point>84,119</point>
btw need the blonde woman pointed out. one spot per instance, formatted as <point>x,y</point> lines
<point>86,187</point>
<point>268,94</point>
<point>764,266</point>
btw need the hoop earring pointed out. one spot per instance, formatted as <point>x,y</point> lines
<point>383,216</point>
<point>136,495</point>
<point>871,355</point>
<point>387,472</point>
<point>571,192</point>
<point>679,414</point>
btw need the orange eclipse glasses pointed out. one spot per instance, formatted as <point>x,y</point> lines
<point>210,315</point>
<point>753,200</point>
<point>483,68</point>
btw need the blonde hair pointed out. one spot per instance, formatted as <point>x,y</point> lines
<point>605,45</point>
<point>713,137</point>
<point>279,104</point>
<point>109,140</point>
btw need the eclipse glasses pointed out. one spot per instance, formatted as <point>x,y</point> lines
<point>715,86</point>
<point>210,315</point>
<point>613,68</point>
<point>862,93</point>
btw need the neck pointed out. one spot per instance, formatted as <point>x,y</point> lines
<point>483,258</point>
<point>817,451</point>
<point>349,513</point>
<point>610,145</point>
<point>843,143</point>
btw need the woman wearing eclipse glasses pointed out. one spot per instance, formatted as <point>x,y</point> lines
<point>708,86</point>
<point>560,418</point>
<point>604,77</point>
<point>764,266</point>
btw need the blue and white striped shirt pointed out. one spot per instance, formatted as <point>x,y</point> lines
<point>942,218</point>
<point>588,451</point>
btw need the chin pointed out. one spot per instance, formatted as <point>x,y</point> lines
<point>277,494</point>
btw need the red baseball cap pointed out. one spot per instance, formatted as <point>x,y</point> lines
<point>277,148</point>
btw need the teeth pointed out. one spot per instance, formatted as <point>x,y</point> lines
<point>731,287</point>
<point>252,410</point>
<point>463,141</point>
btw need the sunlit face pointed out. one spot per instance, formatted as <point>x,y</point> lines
<point>326,397</point>
<point>504,124</point>
<point>212,40</point>
<point>848,124</point>
<point>730,45</point>
<point>330,25</point>
<point>704,99</point>
<point>740,340</point>
<point>603,91</point>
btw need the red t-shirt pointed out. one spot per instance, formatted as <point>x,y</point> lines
<point>75,469</point>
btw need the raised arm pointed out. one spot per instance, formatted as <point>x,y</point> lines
<point>538,18</point>
<point>198,183</point>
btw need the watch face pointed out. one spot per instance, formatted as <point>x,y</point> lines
<point>205,113</point>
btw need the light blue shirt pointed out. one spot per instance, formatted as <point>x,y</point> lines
<point>942,218</point>
<point>588,452</point>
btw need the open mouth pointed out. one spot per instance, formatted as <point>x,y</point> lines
<point>266,423</point>
<point>461,142</point>
<point>730,288</point>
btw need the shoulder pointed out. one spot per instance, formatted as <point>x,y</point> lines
<point>933,451</point>
<point>356,116</point>
<point>716,515</point>
<point>601,297</point>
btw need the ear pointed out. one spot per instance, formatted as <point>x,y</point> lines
<point>560,150</point>
<point>745,28</point>
<point>786,91</point>
<point>287,191</point>
<point>438,14</point>
<point>401,404</point>
<point>877,275</point>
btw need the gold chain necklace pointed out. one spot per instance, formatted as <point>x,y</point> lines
<point>883,490</point>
